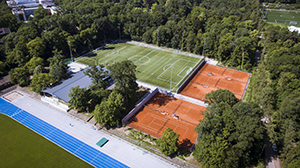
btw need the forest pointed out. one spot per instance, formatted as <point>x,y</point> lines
<point>231,32</point>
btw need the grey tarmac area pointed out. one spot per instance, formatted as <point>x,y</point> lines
<point>116,148</point>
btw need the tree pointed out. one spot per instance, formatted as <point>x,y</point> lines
<point>109,112</point>
<point>19,76</point>
<point>38,69</point>
<point>98,73</point>
<point>2,67</point>
<point>167,143</point>
<point>231,134</point>
<point>40,13</point>
<point>125,79</point>
<point>33,63</point>
<point>79,98</point>
<point>58,69</point>
<point>40,81</point>
<point>19,55</point>
<point>218,96</point>
<point>97,96</point>
<point>36,47</point>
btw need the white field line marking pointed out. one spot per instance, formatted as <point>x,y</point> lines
<point>145,55</point>
<point>83,58</point>
<point>167,68</point>
<point>112,53</point>
<point>137,63</point>
<point>183,70</point>
<point>188,74</point>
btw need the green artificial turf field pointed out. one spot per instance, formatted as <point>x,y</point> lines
<point>153,65</point>
<point>287,17</point>
<point>21,147</point>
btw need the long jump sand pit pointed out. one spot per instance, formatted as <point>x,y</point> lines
<point>212,77</point>
<point>159,113</point>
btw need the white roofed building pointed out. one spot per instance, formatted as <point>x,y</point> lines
<point>293,28</point>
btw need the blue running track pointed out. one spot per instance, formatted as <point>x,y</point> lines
<point>66,141</point>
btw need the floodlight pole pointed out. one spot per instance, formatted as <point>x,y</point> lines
<point>70,52</point>
<point>171,79</point>
<point>203,47</point>
<point>119,31</point>
<point>157,36</point>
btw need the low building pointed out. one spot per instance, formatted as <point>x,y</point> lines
<point>57,94</point>
<point>25,8</point>
<point>4,31</point>
<point>293,28</point>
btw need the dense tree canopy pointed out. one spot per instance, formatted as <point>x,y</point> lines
<point>79,98</point>
<point>231,31</point>
<point>231,134</point>
<point>275,87</point>
<point>58,69</point>
<point>97,74</point>
<point>168,143</point>
<point>40,81</point>
<point>125,79</point>
<point>109,112</point>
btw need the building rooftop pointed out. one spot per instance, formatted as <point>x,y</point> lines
<point>4,31</point>
<point>61,89</point>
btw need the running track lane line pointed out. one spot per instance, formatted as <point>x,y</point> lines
<point>62,139</point>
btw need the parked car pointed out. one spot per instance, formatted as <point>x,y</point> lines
<point>274,147</point>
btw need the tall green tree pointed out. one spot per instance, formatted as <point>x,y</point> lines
<point>218,96</point>
<point>79,98</point>
<point>36,47</point>
<point>125,79</point>
<point>40,81</point>
<point>109,112</point>
<point>98,74</point>
<point>230,135</point>
<point>19,76</point>
<point>168,143</point>
<point>33,63</point>
<point>58,69</point>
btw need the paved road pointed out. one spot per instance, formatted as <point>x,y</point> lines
<point>118,149</point>
<point>271,159</point>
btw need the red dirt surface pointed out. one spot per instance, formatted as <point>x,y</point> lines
<point>212,77</point>
<point>150,119</point>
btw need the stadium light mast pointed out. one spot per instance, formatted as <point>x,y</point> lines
<point>203,47</point>
<point>171,78</point>
<point>70,51</point>
<point>119,31</point>
<point>157,36</point>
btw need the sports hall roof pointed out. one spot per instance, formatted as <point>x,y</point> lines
<point>62,88</point>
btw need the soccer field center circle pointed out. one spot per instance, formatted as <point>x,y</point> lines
<point>139,59</point>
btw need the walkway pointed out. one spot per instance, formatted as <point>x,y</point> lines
<point>120,150</point>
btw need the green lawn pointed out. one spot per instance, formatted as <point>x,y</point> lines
<point>278,24</point>
<point>153,65</point>
<point>285,17</point>
<point>21,147</point>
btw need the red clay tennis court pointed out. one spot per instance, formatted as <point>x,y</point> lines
<point>160,112</point>
<point>212,77</point>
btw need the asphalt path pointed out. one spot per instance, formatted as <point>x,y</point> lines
<point>271,159</point>
<point>116,148</point>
